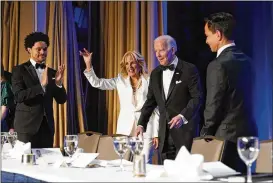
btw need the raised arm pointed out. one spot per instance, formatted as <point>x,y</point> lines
<point>101,83</point>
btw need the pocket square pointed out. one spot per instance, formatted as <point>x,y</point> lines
<point>177,82</point>
<point>177,73</point>
<point>53,78</point>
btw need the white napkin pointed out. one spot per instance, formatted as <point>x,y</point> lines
<point>19,149</point>
<point>185,167</point>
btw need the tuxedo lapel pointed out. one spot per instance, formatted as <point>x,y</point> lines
<point>176,78</point>
<point>32,72</point>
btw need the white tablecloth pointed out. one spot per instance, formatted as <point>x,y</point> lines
<point>51,174</point>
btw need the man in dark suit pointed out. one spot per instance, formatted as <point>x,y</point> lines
<point>34,86</point>
<point>175,88</point>
<point>228,103</point>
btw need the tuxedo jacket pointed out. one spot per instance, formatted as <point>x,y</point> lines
<point>129,113</point>
<point>184,97</point>
<point>32,103</point>
<point>229,90</point>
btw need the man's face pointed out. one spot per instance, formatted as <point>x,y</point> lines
<point>212,39</point>
<point>132,66</point>
<point>163,55</point>
<point>38,52</point>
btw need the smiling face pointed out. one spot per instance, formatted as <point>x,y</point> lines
<point>163,54</point>
<point>132,66</point>
<point>212,39</point>
<point>38,52</point>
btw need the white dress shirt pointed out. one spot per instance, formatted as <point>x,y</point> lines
<point>39,72</point>
<point>167,78</point>
<point>224,47</point>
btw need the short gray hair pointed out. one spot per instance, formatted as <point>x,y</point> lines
<point>169,40</point>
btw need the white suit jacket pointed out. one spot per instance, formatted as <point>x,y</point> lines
<point>128,112</point>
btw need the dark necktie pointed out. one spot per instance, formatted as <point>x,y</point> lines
<point>42,66</point>
<point>170,67</point>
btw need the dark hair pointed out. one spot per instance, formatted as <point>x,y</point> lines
<point>223,22</point>
<point>34,37</point>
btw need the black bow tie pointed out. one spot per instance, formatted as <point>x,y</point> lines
<point>170,67</point>
<point>42,66</point>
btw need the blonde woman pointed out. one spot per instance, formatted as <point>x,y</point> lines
<point>132,86</point>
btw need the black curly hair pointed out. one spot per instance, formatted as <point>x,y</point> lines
<point>34,37</point>
<point>223,22</point>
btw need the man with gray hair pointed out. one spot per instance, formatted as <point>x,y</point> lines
<point>175,88</point>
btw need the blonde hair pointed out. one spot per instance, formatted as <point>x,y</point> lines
<point>137,57</point>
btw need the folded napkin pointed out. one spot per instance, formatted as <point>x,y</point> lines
<point>19,149</point>
<point>186,166</point>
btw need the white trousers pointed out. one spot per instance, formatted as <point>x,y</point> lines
<point>148,149</point>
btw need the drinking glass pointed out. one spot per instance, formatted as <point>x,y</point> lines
<point>136,145</point>
<point>70,144</point>
<point>12,137</point>
<point>248,149</point>
<point>121,147</point>
<point>4,138</point>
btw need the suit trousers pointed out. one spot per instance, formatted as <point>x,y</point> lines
<point>174,141</point>
<point>41,139</point>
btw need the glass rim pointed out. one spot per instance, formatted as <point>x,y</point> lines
<point>249,137</point>
<point>70,135</point>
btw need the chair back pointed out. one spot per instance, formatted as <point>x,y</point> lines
<point>264,162</point>
<point>106,149</point>
<point>89,141</point>
<point>210,147</point>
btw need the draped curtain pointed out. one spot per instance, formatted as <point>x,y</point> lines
<point>123,25</point>
<point>16,23</point>
<point>69,118</point>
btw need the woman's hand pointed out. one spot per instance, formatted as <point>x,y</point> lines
<point>155,142</point>
<point>87,57</point>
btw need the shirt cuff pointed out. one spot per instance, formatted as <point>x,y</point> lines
<point>60,86</point>
<point>185,121</point>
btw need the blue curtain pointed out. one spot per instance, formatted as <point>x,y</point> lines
<point>255,37</point>
<point>262,61</point>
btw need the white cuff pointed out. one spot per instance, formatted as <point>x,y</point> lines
<point>185,121</point>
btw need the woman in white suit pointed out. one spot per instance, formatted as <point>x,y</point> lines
<point>132,85</point>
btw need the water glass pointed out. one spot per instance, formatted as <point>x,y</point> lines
<point>121,147</point>
<point>136,145</point>
<point>12,137</point>
<point>4,138</point>
<point>248,149</point>
<point>70,144</point>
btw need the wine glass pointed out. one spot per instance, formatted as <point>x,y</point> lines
<point>248,149</point>
<point>4,138</point>
<point>121,147</point>
<point>70,144</point>
<point>12,137</point>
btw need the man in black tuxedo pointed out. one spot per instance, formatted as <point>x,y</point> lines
<point>34,86</point>
<point>175,88</point>
<point>228,103</point>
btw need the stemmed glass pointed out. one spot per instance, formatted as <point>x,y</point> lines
<point>70,144</point>
<point>12,137</point>
<point>248,149</point>
<point>4,139</point>
<point>121,147</point>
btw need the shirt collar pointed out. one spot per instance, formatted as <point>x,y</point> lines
<point>224,47</point>
<point>174,62</point>
<point>34,62</point>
